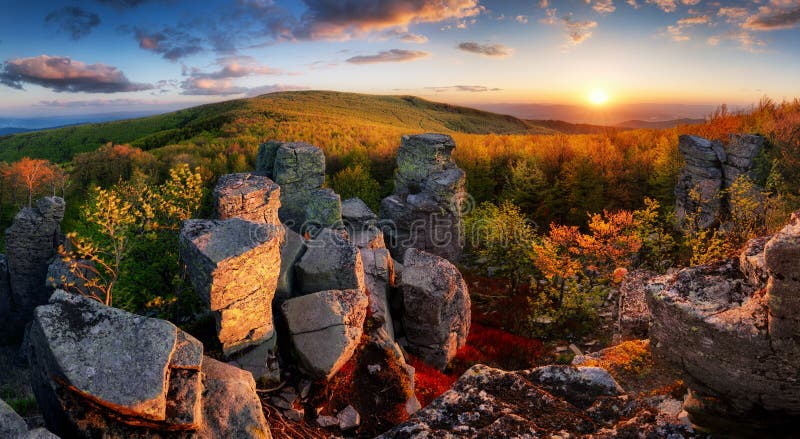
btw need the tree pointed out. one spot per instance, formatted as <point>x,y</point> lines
<point>355,181</point>
<point>525,185</point>
<point>31,175</point>
<point>121,216</point>
<point>500,237</point>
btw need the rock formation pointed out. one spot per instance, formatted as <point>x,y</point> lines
<point>633,318</point>
<point>294,247</point>
<point>234,265</point>
<point>566,401</point>
<point>299,169</point>
<point>31,242</point>
<point>709,169</point>
<point>425,210</point>
<point>331,262</point>
<point>436,307</point>
<point>247,196</point>
<point>98,370</point>
<point>325,328</point>
<point>13,426</point>
<point>734,335</point>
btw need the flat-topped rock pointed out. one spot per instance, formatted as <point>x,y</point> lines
<point>325,328</point>
<point>733,333</point>
<point>299,166</point>
<point>633,319</point>
<point>331,262</point>
<point>82,350</point>
<point>357,215</point>
<point>437,307</point>
<point>247,196</point>
<point>234,266</point>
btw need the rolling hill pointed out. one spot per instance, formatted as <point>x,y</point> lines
<point>662,124</point>
<point>406,113</point>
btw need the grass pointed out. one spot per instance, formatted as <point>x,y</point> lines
<point>406,113</point>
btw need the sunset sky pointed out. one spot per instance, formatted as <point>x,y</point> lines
<point>94,56</point>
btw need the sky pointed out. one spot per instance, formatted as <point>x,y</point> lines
<point>102,56</point>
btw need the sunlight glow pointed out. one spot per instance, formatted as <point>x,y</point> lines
<point>598,97</point>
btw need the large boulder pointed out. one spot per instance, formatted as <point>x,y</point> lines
<point>325,328</point>
<point>96,368</point>
<point>299,169</point>
<point>99,371</point>
<point>11,424</point>
<point>247,196</point>
<point>231,405</point>
<point>700,181</point>
<point>555,400</point>
<point>331,262</point>
<point>356,215</point>
<point>633,317</point>
<point>425,211</point>
<point>736,340</point>
<point>436,305</point>
<point>5,291</point>
<point>741,152</point>
<point>710,168</point>
<point>234,265</point>
<point>379,278</point>
<point>31,242</point>
<point>294,247</point>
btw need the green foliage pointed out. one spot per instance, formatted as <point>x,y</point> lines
<point>500,237</point>
<point>131,246</point>
<point>659,247</point>
<point>355,181</point>
<point>525,185</point>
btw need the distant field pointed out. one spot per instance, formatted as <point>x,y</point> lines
<point>406,113</point>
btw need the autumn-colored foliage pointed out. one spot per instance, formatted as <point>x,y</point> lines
<point>429,382</point>
<point>32,177</point>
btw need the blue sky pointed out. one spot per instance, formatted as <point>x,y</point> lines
<point>91,56</point>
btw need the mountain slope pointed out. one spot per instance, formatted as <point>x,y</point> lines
<point>662,124</point>
<point>407,113</point>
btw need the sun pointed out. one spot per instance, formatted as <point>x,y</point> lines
<point>598,96</point>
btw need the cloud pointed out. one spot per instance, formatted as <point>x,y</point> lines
<point>745,40</point>
<point>676,31</point>
<point>577,31</point>
<point>62,74</point>
<point>782,15</point>
<point>733,14</point>
<point>492,50</point>
<point>170,43</point>
<point>405,36</point>
<point>96,103</point>
<point>463,88</point>
<point>336,19</point>
<point>74,21</point>
<point>602,6</point>
<point>691,21</point>
<point>226,87</point>
<point>236,67</point>
<point>523,19</point>
<point>393,55</point>
<point>665,5</point>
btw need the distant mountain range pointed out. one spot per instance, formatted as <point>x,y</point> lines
<point>407,113</point>
<point>610,115</point>
<point>638,124</point>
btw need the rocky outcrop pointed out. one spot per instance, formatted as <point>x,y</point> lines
<point>234,265</point>
<point>231,407</point>
<point>379,277</point>
<point>734,335</point>
<point>356,215</point>
<point>426,208</point>
<point>741,153</point>
<point>31,242</point>
<point>709,169</point>
<point>633,318</point>
<point>98,370</point>
<point>247,196</point>
<point>553,400</point>
<point>299,169</point>
<point>5,292</point>
<point>11,424</point>
<point>325,328</point>
<point>292,251</point>
<point>436,304</point>
<point>331,262</point>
